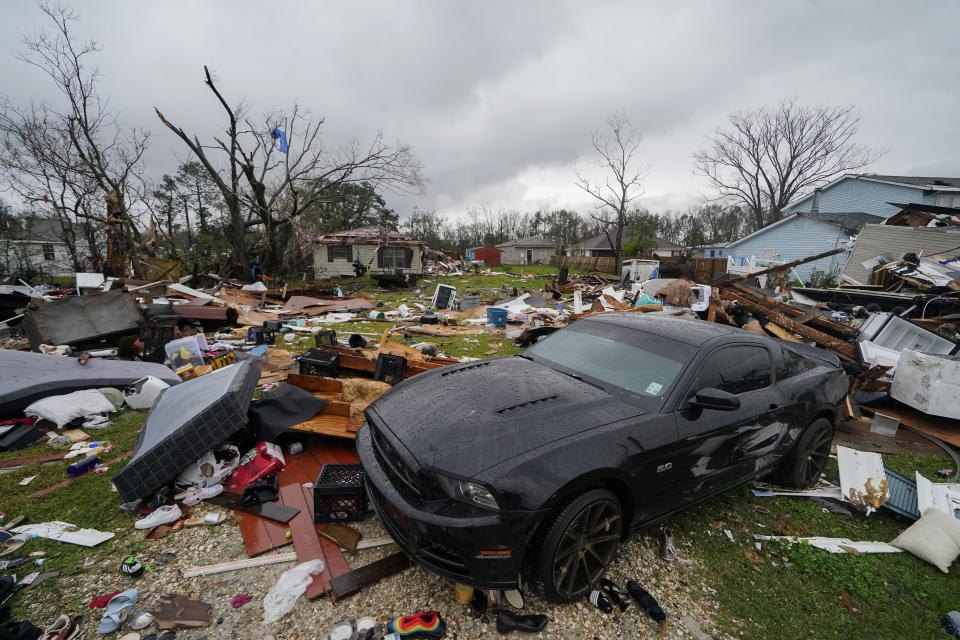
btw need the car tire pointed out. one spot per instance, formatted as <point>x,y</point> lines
<point>803,466</point>
<point>578,546</point>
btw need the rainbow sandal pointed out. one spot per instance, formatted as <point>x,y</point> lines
<point>426,624</point>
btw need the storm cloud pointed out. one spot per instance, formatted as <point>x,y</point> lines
<point>498,99</point>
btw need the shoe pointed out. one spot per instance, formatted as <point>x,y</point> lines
<point>646,601</point>
<point>508,622</point>
<point>141,621</point>
<point>163,515</point>
<point>203,494</point>
<point>117,610</point>
<point>614,593</point>
<point>600,601</point>
<point>64,628</point>
<point>427,624</point>
<point>344,630</point>
<point>131,566</point>
<point>514,598</point>
<point>667,549</point>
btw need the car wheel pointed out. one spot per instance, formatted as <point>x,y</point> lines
<point>579,546</point>
<point>806,462</point>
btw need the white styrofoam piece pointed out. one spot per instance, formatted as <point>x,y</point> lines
<point>835,545</point>
<point>89,280</point>
<point>65,532</point>
<point>928,382</point>
<point>863,481</point>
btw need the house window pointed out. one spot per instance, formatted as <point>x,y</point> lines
<point>395,257</point>
<point>766,255</point>
<point>48,252</point>
<point>338,252</point>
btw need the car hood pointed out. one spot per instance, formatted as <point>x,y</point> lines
<point>466,418</point>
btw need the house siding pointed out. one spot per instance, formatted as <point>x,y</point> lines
<point>322,268</point>
<point>893,242</point>
<point>518,255</point>
<point>28,255</point>
<point>865,196</point>
<point>798,238</point>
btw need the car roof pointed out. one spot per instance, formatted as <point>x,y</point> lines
<point>686,330</point>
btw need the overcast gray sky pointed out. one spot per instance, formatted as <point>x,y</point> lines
<point>498,99</point>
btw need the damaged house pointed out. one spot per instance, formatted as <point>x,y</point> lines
<point>375,250</point>
<point>39,246</point>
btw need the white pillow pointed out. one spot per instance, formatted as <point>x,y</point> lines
<point>935,538</point>
<point>62,409</point>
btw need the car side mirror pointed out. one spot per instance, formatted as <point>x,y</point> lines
<point>713,398</point>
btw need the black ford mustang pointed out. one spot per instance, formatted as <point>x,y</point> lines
<point>543,462</point>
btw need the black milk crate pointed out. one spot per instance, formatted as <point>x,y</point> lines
<point>154,337</point>
<point>339,494</point>
<point>390,369</point>
<point>327,336</point>
<point>272,325</point>
<point>320,363</point>
<point>262,335</point>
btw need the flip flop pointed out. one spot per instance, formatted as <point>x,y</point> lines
<point>212,518</point>
<point>117,610</point>
<point>15,543</point>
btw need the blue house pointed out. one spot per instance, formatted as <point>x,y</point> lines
<point>872,193</point>
<point>800,235</point>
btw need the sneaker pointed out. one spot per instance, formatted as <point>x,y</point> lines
<point>64,628</point>
<point>164,515</point>
<point>203,494</point>
<point>668,551</point>
<point>427,624</point>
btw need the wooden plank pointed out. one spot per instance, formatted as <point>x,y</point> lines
<point>329,425</point>
<point>19,461</point>
<point>210,569</point>
<point>781,333</point>
<point>315,383</point>
<point>359,578</point>
<point>306,543</point>
<point>63,483</point>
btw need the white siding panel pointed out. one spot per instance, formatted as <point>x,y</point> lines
<point>894,241</point>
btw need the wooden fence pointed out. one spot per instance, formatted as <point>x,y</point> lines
<point>701,269</point>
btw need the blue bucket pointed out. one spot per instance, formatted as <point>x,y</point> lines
<point>496,316</point>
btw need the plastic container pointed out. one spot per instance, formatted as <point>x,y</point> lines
<point>265,458</point>
<point>339,494</point>
<point>497,316</point>
<point>185,351</point>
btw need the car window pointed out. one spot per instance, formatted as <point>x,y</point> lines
<point>638,362</point>
<point>735,369</point>
<point>793,364</point>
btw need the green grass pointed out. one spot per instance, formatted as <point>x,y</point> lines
<point>895,595</point>
<point>86,502</point>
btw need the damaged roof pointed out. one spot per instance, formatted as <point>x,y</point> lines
<point>533,241</point>
<point>374,234</point>
<point>851,222</point>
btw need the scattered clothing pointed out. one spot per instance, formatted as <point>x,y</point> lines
<point>99,602</point>
<point>240,600</point>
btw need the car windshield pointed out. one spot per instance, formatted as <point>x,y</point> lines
<point>635,361</point>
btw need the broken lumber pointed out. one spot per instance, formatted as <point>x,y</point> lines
<point>841,348</point>
<point>781,333</point>
<point>344,585</point>
<point>210,569</point>
<point>817,321</point>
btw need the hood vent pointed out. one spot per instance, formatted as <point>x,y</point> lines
<point>469,367</point>
<point>531,405</point>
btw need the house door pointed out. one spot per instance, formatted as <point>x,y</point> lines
<point>529,256</point>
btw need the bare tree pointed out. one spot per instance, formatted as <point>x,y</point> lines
<point>768,156</point>
<point>616,149</point>
<point>81,143</point>
<point>267,188</point>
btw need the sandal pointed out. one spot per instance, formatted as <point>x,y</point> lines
<point>203,494</point>
<point>612,590</point>
<point>212,518</point>
<point>15,543</point>
<point>117,610</point>
<point>668,551</point>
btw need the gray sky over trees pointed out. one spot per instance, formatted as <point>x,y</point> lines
<point>498,99</point>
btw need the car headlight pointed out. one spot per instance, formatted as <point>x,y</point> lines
<point>468,492</point>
